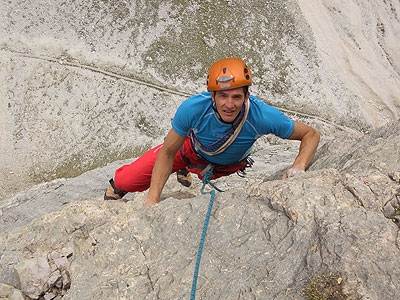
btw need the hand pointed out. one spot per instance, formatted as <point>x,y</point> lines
<point>292,172</point>
<point>149,202</point>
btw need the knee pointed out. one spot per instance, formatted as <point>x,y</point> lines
<point>128,179</point>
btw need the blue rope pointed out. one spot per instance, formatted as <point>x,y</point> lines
<point>206,180</point>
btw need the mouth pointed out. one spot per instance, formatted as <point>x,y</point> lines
<point>229,112</point>
<point>228,115</point>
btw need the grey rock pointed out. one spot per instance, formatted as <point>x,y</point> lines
<point>265,240</point>
<point>10,293</point>
<point>9,276</point>
<point>84,84</point>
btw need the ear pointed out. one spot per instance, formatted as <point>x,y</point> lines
<point>246,98</point>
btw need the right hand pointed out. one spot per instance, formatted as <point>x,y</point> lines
<point>149,202</point>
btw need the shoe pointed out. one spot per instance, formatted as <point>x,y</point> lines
<point>183,176</point>
<point>112,193</point>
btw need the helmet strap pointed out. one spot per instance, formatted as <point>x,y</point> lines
<point>214,107</point>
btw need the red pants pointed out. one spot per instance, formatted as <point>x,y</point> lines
<point>136,176</point>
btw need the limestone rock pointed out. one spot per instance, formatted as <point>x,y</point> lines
<point>266,239</point>
<point>86,83</point>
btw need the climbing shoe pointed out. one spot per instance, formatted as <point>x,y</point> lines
<point>183,176</point>
<point>112,193</point>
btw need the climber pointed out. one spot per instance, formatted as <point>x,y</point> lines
<point>217,127</point>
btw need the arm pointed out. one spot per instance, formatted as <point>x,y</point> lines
<point>163,166</point>
<point>309,138</point>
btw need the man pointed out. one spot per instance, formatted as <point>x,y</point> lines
<point>216,128</point>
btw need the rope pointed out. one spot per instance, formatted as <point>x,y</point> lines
<point>206,180</point>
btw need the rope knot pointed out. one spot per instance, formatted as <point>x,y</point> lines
<point>207,174</point>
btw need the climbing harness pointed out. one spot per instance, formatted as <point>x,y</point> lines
<point>207,174</point>
<point>195,163</point>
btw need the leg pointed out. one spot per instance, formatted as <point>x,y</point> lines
<point>136,177</point>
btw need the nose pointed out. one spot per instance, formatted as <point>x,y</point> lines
<point>230,102</point>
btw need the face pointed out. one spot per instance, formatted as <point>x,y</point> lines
<point>229,103</point>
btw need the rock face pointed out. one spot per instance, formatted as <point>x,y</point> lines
<point>266,238</point>
<point>87,83</point>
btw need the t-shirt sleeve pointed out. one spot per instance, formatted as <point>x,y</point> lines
<point>272,120</point>
<point>282,126</point>
<point>181,122</point>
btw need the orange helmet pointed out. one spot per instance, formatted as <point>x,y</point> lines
<point>227,74</point>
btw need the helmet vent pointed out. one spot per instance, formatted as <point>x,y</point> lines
<point>226,79</point>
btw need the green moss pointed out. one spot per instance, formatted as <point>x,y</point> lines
<point>195,35</point>
<point>329,286</point>
<point>78,164</point>
<point>118,9</point>
<point>147,127</point>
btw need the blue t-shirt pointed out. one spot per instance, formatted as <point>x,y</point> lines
<point>196,113</point>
